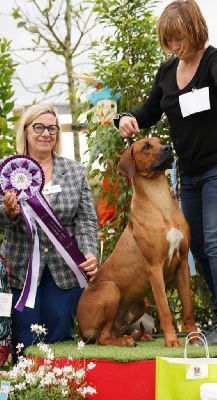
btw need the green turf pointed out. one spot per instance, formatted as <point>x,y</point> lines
<point>143,351</point>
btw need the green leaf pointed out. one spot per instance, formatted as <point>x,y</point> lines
<point>10,132</point>
<point>3,47</point>
<point>13,119</point>
<point>8,107</point>
<point>15,13</point>
<point>3,125</point>
<point>21,24</point>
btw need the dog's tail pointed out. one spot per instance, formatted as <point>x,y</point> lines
<point>141,335</point>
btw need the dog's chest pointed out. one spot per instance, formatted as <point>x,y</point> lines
<point>174,237</point>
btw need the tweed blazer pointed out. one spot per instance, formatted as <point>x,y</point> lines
<point>74,208</point>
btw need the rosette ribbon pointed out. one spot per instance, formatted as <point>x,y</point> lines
<point>25,175</point>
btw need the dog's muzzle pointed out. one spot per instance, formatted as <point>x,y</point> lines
<point>165,159</point>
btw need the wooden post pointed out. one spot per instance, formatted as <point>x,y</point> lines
<point>17,112</point>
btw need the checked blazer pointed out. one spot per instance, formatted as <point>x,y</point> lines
<point>74,208</point>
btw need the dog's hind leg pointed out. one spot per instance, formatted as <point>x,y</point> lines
<point>128,315</point>
<point>98,304</point>
<point>97,310</point>
<point>109,335</point>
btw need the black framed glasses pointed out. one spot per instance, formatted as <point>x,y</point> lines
<point>40,128</point>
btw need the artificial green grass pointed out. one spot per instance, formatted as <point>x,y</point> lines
<point>143,351</point>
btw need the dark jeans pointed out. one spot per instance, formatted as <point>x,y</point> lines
<point>199,205</point>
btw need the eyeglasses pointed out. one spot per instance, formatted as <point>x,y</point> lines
<point>40,128</point>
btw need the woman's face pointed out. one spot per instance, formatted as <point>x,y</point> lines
<point>41,144</point>
<point>178,46</point>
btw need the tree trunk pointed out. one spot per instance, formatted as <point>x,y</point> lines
<point>70,80</point>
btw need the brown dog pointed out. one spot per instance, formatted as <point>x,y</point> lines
<point>153,246</point>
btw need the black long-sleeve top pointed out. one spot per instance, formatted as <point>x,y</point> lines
<point>195,136</point>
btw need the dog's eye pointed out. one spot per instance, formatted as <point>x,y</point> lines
<point>162,143</point>
<point>146,146</point>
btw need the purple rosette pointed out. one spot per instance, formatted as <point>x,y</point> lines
<point>25,175</point>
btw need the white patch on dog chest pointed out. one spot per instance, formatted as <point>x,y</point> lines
<point>174,237</point>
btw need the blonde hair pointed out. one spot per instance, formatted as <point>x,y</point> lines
<point>30,114</point>
<point>183,18</point>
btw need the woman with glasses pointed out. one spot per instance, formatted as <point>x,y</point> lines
<point>67,191</point>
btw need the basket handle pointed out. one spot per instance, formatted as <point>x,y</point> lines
<point>195,335</point>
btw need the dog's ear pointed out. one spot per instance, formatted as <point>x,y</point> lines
<point>127,163</point>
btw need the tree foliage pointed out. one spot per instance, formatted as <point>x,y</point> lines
<point>7,133</point>
<point>130,54</point>
<point>61,29</point>
<point>7,68</point>
<point>126,58</point>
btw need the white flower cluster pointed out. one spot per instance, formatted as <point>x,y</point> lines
<point>79,375</point>
<point>19,347</point>
<point>81,345</point>
<point>26,376</point>
<point>44,348</point>
<point>91,366</point>
<point>38,329</point>
<point>86,391</point>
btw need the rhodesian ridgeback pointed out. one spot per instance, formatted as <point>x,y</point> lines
<point>153,246</point>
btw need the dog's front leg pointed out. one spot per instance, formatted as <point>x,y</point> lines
<point>182,279</point>
<point>158,288</point>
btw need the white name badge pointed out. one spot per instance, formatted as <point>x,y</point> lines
<point>5,304</point>
<point>52,189</point>
<point>194,101</point>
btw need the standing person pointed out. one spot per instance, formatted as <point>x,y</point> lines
<point>185,89</point>
<point>58,292</point>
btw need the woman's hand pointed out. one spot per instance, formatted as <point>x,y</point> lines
<point>128,126</point>
<point>90,266</point>
<point>11,205</point>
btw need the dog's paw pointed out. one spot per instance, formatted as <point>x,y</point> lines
<point>194,337</point>
<point>122,341</point>
<point>146,338</point>
<point>131,343</point>
<point>127,341</point>
<point>174,343</point>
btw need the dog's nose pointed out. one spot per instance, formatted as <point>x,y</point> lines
<point>167,148</point>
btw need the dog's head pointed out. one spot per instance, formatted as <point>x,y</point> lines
<point>148,157</point>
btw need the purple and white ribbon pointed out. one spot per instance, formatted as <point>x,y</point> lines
<point>24,175</point>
